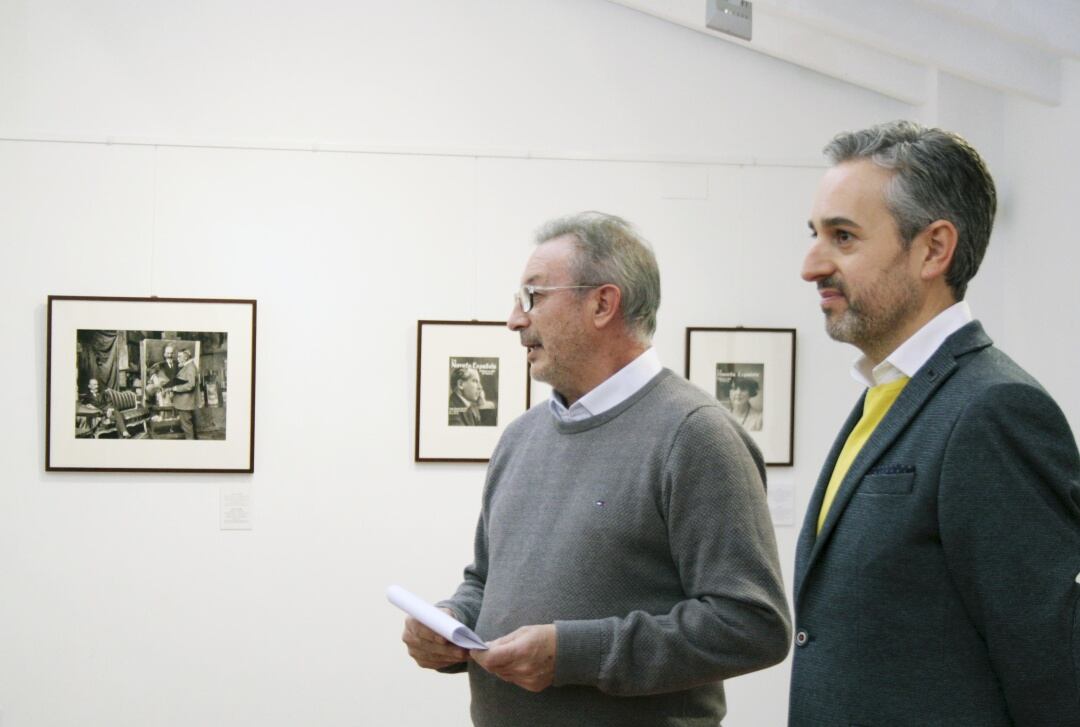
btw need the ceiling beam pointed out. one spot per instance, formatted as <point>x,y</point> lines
<point>893,46</point>
<point>940,41</point>
<point>861,65</point>
<point>1052,26</point>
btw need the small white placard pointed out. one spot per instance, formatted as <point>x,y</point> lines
<point>235,507</point>
<point>781,501</point>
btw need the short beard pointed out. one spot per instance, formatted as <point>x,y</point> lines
<point>867,323</point>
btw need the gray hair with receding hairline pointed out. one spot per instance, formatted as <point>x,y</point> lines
<point>937,175</point>
<point>610,250</point>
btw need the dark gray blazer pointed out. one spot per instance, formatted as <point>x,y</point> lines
<point>942,589</point>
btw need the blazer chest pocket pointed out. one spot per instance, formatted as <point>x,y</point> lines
<point>891,481</point>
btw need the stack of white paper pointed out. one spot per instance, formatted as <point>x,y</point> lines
<point>438,621</point>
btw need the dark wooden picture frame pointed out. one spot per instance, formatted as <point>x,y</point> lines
<point>472,379</point>
<point>150,384</point>
<point>751,371</point>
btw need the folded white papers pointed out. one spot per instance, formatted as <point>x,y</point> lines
<point>438,621</point>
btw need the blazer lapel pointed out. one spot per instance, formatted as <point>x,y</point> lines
<point>808,534</point>
<point>941,365</point>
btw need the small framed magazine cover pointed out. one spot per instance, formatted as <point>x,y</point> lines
<point>150,384</point>
<point>472,379</point>
<point>751,371</point>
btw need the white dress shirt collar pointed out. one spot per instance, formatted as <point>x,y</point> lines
<point>910,356</point>
<point>613,391</point>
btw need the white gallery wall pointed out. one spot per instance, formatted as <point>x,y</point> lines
<point>355,167</point>
<point>1040,288</point>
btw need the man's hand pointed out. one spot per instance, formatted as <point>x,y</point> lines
<point>427,648</point>
<point>482,402</point>
<point>525,657</point>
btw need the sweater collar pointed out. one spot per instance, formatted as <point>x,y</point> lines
<point>614,390</point>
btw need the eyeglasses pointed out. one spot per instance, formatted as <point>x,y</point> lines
<point>524,295</point>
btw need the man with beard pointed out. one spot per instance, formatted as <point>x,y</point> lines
<point>936,576</point>
<point>625,562</point>
<point>160,377</point>
<point>167,365</point>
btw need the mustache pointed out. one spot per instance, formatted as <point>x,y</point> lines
<point>833,283</point>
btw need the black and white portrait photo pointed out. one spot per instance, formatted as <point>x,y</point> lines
<point>474,392</point>
<point>472,379</point>
<point>740,389</point>
<point>150,384</point>
<point>737,365</point>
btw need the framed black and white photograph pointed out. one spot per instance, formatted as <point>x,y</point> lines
<point>150,384</point>
<point>472,379</point>
<point>751,372</point>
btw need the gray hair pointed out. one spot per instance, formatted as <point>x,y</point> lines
<point>609,250</point>
<point>937,176</point>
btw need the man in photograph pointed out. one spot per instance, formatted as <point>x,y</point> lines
<point>625,562</point>
<point>96,398</point>
<point>185,392</point>
<point>160,377</point>
<point>167,365</point>
<point>166,368</point>
<point>937,575</point>
<point>466,396</point>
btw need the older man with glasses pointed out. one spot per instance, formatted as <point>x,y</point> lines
<point>625,562</point>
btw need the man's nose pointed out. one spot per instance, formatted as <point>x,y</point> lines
<point>518,319</point>
<point>816,265</point>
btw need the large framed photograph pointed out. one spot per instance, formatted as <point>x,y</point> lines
<point>751,371</point>
<point>472,379</point>
<point>150,384</point>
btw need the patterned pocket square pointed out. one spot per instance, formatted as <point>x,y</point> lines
<point>893,469</point>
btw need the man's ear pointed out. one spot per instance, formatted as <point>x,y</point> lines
<point>940,239</point>
<point>606,303</point>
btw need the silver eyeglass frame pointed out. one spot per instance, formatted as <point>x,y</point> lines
<point>523,296</point>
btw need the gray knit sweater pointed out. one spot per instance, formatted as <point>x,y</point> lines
<point>644,535</point>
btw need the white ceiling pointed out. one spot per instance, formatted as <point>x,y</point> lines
<point>895,47</point>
